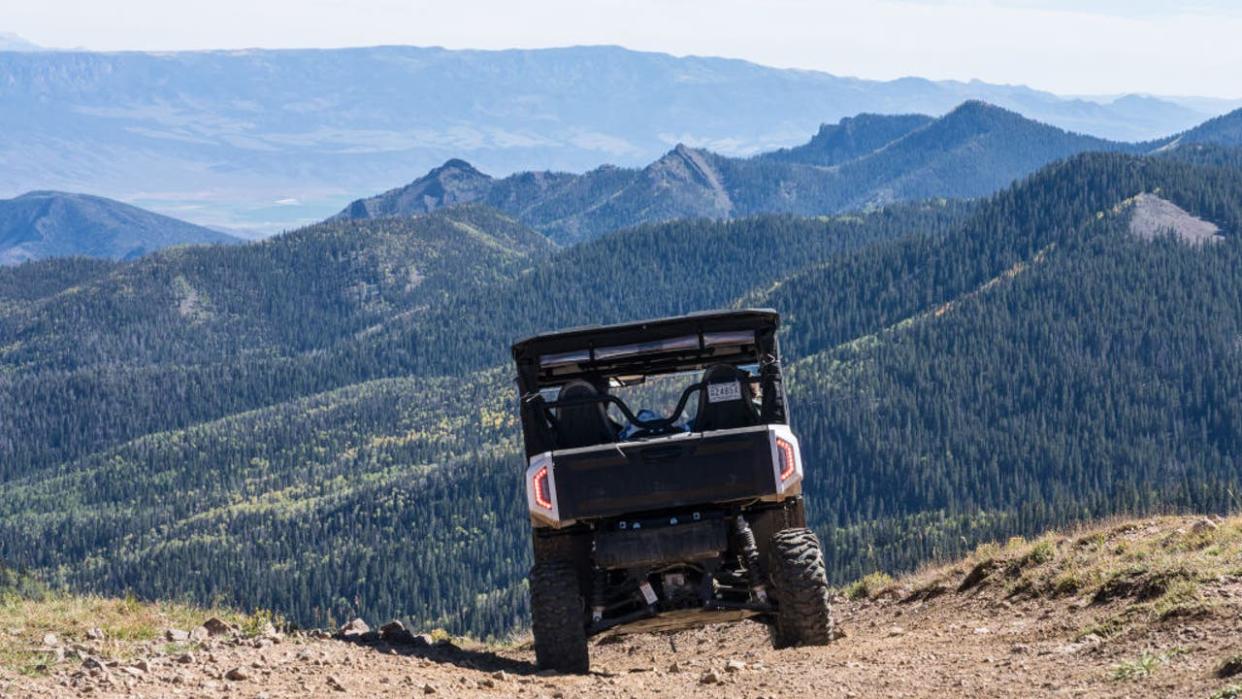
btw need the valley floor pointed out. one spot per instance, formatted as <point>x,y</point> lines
<point>1145,608</point>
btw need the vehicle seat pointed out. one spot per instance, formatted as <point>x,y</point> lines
<point>582,425</point>
<point>726,412</point>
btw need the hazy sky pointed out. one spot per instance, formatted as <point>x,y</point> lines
<point>1082,47</point>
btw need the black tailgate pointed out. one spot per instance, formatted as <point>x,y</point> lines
<point>638,477</point>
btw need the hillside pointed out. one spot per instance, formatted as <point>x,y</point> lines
<point>1127,608</point>
<point>958,372</point>
<point>268,140</point>
<point>1224,130</point>
<point>852,137</point>
<point>39,225</point>
<point>869,160</point>
<point>237,327</point>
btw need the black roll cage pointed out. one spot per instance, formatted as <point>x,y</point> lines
<point>591,361</point>
<point>661,423</point>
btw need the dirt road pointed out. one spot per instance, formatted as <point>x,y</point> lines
<point>919,637</point>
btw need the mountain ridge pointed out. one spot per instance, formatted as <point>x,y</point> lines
<point>47,223</point>
<point>867,160</point>
<point>301,148</point>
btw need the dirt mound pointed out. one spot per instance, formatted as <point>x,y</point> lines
<point>1142,608</point>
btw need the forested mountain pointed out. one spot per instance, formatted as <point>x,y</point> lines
<point>268,140</point>
<point>864,161</point>
<point>957,371</point>
<point>284,462</point>
<point>1224,130</point>
<point>225,329</point>
<point>38,225</point>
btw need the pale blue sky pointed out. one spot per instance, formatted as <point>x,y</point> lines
<point>1067,46</point>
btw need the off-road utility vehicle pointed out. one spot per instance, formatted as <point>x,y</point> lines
<point>664,484</point>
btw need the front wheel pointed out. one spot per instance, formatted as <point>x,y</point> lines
<point>803,613</point>
<point>556,610</point>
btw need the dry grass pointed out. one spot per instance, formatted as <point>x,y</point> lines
<point>869,587</point>
<point>1155,568</point>
<point>126,625</point>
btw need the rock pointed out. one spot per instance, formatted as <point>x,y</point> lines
<point>675,667</point>
<point>238,674</point>
<point>353,628</point>
<point>218,627</point>
<point>896,631</point>
<point>142,664</point>
<point>1205,526</point>
<point>50,641</point>
<point>95,634</point>
<point>710,677</point>
<point>982,630</point>
<point>423,640</point>
<point>185,658</point>
<point>395,632</point>
<point>735,666</point>
<point>335,684</point>
<point>500,676</point>
<point>429,689</point>
<point>487,683</point>
<point>176,636</point>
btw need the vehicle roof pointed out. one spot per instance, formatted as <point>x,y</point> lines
<point>592,336</point>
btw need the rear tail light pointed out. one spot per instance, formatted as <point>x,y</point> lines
<point>542,490</point>
<point>788,459</point>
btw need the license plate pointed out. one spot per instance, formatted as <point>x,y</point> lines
<point>722,392</point>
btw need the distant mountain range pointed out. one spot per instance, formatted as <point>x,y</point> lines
<point>39,225</point>
<point>12,42</point>
<point>265,140</point>
<point>861,162</point>
<point>864,161</point>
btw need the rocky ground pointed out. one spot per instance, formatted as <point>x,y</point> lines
<point>1137,609</point>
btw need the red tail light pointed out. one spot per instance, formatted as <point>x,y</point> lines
<point>789,463</point>
<point>543,494</point>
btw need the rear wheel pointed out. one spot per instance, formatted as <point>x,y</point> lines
<point>796,566</point>
<point>556,610</point>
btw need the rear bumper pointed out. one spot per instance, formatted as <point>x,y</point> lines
<point>679,471</point>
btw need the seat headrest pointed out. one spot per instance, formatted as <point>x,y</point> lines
<point>724,403</point>
<point>582,425</point>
